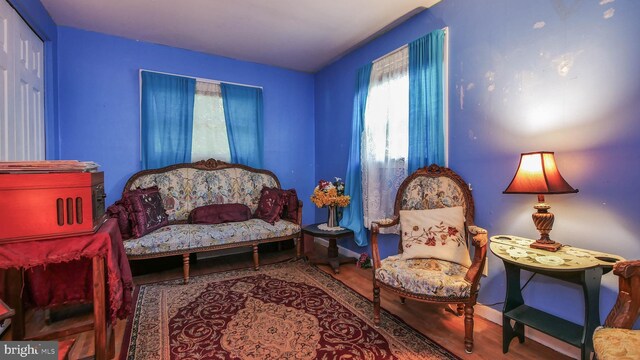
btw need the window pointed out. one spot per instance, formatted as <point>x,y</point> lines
<point>209,139</point>
<point>407,90</point>
<point>183,119</point>
<point>22,135</point>
<point>386,134</point>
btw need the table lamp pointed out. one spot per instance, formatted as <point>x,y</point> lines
<point>538,174</point>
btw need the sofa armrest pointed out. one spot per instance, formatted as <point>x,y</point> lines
<point>299,212</point>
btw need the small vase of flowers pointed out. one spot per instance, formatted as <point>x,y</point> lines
<point>331,195</point>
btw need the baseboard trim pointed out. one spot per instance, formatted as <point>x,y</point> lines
<point>562,347</point>
<point>493,315</point>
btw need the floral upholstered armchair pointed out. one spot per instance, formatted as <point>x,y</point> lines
<point>616,340</point>
<point>435,210</point>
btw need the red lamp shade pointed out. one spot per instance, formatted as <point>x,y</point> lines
<point>538,174</point>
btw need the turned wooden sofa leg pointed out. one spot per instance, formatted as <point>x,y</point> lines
<point>256,263</point>
<point>185,268</point>
<point>299,241</point>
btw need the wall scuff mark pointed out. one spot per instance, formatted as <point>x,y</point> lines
<point>609,13</point>
<point>539,25</point>
<point>564,63</point>
<point>490,75</point>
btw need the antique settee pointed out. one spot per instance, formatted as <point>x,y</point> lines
<point>185,187</point>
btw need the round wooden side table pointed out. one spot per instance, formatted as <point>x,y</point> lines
<point>332,258</point>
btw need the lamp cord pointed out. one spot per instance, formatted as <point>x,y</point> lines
<point>522,288</point>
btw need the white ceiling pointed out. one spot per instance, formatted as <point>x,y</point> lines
<point>302,35</point>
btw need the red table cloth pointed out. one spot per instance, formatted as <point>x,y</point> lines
<point>59,270</point>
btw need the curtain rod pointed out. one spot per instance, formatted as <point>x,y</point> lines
<point>200,79</point>
<point>445,29</point>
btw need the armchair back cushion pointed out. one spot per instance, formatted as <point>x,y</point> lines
<point>425,191</point>
<point>434,233</point>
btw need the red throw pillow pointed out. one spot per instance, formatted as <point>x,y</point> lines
<point>270,205</point>
<point>146,210</point>
<point>119,211</point>
<point>290,205</point>
<point>219,213</point>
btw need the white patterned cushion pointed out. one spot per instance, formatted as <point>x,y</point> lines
<point>194,236</point>
<point>431,277</point>
<point>434,233</point>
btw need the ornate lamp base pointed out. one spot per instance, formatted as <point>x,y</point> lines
<point>543,219</point>
<point>554,246</point>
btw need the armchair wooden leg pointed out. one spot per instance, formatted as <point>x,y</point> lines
<point>185,268</point>
<point>376,305</point>
<point>468,328</point>
<point>460,309</point>
<point>256,263</point>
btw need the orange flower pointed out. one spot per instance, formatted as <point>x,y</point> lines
<point>328,196</point>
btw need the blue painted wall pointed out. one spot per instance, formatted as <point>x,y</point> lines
<point>38,18</point>
<point>99,105</point>
<point>554,75</point>
<point>524,76</point>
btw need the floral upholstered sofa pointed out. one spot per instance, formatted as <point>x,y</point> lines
<point>185,187</point>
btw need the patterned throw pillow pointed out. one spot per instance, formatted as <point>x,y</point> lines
<point>270,205</point>
<point>290,210</point>
<point>435,233</point>
<point>145,210</point>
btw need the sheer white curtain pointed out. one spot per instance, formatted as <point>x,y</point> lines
<point>209,138</point>
<point>386,136</point>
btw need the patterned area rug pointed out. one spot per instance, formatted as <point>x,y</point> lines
<point>284,311</point>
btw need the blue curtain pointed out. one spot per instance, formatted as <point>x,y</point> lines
<point>243,116</point>
<point>167,119</point>
<point>426,111</point>
<point>353,215</point>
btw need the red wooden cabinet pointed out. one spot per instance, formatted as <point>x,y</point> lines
<point>48,205</point>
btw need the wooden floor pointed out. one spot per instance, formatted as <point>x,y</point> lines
<point>431,320</point>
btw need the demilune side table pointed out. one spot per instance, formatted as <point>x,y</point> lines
<point>578,266</point>
<point>332,258</point>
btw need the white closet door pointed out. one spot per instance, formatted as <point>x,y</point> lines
<point>7,125</point>
<point>22,93</point>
